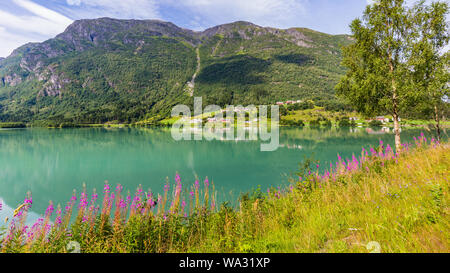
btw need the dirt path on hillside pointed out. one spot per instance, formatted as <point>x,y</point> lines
<point>191,84</point>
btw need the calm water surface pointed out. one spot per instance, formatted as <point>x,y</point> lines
<point>52,163</point>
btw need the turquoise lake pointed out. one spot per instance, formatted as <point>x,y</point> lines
<point>52,163</point>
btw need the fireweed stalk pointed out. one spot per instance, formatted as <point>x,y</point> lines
<point>17,231</point>
<point>189,207</point>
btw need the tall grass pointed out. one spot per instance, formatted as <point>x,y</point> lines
<point>399,201</point>
<point>9,125</point>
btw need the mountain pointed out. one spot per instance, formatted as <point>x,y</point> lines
<point>106,69</point>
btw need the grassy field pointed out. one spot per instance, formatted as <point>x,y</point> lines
<point>309,115</point>
<point>379,201</point>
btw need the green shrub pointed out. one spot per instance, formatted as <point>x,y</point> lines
<point>344,122</point>
<point>327,123</point>
<point>293,123</point>
<point>69,125</point>
<point>375,123</point>
<point>314,123</point>
<point>12,125</point>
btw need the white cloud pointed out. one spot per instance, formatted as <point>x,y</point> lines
<point>10,41</point>
<point>43,12</point>
<point>74,2</point>
<point>124,9</point>
<point>35,23</point>
<point>276,13</point>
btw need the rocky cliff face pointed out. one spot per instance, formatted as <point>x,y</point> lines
<point>248,31</point>
<point>12,80</point>
<point>83,35</point>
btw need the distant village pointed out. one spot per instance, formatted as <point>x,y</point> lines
<point>289,102</point>
<point>382,119</point>
<point>199,120</point>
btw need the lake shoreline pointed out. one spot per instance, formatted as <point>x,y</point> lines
<point>422,124</point>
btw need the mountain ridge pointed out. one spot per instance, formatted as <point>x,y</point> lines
<point>199,33</point>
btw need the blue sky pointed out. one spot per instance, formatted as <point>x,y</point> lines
<point>23,21</point>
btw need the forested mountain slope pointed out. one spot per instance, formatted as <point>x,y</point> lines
<point>106,69</point>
